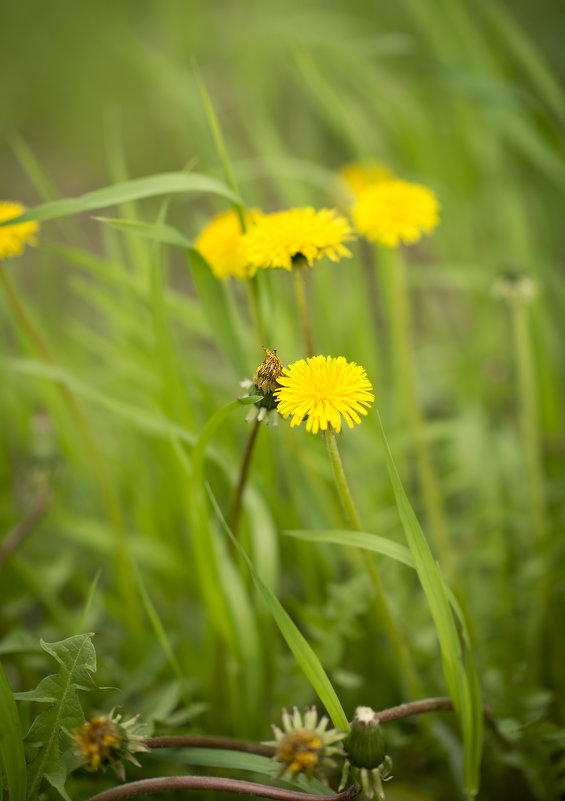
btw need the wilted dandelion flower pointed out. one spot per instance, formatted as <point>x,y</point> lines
<point>220,244</point>
<point>305,745</point>
<point>104,741</point>
<point>13,238</point>
<point>358,175</point>
<point>321,390</point>
<point>264,383</point>
<point>396,211</point>
<point>289,237</point>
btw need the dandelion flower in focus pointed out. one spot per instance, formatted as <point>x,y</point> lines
<point>220,244</point>
<point>358,175</point>
<point>396,211</point>
<point>287,238</point>
<point>305,745</point>
<point>13,238</point>
<point>322,390</point>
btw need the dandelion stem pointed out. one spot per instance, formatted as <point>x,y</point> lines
<point>243,473</point>
<point>399,648</point>
<point>529,418</point>
<point>209,741</point>
<point>302,301</point>
<point>124,572</point>
<point>162,783</point>
<point>400,322</point>
<point>256,311</point>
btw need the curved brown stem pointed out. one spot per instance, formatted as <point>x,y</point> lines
<point>414,708</point>
<point>209,741</point>
<point>243,472</point>
<point>145,786</point>
<point>25,527</point>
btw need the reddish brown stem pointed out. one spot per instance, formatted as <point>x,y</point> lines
<point>209,741</point>
<point>159,785</point>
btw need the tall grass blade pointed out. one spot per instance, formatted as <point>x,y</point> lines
<point>302,650</point>
<point>12,756</point>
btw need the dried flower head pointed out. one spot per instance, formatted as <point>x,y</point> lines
<point>288,238</point>
<point>396,211</point>
<point>104,742</point>
<point>305,745</point>
<point>321,390</point>
<point>265,382</point>
<point>269,371</point>
<point>358,175</point>
<point>13,238</point>
<point>220,244</point>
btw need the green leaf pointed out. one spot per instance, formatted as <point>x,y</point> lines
<point>77,659</point>
<point>357,539</point>
<point>150,186</point>
<point>167,234</point>
<point>302,650</point>
<point>12,757</point>
<point>459,668</point>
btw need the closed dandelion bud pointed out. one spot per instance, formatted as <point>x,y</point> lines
<point>367,763</point>
<point>365,744</point>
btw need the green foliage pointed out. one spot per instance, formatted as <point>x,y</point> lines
<point>50,730</point>
<point>12,757</point>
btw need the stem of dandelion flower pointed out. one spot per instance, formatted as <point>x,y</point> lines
<point>302,302</point>
<point>528,409</point>
<point>124,575</point>
<point>400,323</point>
<point>256,311</point>
<point>399,648</point>
<point>243,473</point>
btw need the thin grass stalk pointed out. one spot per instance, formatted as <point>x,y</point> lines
<point>385,617</point>
<point>302,302</point>
<point>124,571</point>
<point>243,473</point>
<point>405,383</point>
<point>529,418</point>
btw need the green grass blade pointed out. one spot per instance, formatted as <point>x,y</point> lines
<point>150,186</point>
<point>357,539</point>
<point>12,756</point>
<point>463,687</point>
<point>158,232</point>
<point>302,650</point>
<point>220,145</point>
<point>218,311</point>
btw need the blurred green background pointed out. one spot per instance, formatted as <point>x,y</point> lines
<point>465,97</point>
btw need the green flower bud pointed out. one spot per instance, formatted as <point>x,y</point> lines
<point>365,745</point>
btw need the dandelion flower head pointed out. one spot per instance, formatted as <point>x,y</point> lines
<point>281,238</point>
<point>358,175</point>
<point>13,238</point>
<point>98,740</point>
<point>220,244</point>
<point>322,390</point>
<point>396,211</point>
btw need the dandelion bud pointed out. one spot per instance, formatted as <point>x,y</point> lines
<point>367,762</point>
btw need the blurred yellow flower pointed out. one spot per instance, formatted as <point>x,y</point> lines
<point>322,389</point>
<point>396,211</point>
<point>13,238</point>
<point>278,240</point>
<point>358,175</point>
<point>220,244</point>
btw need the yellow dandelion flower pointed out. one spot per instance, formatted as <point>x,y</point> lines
<point>322,389</point>
<point>220,244</point>
<point>396,211</point>
<point>99,741</point>
<point>13,238</point>
<point>278,240</point>
<point>358,175</point>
